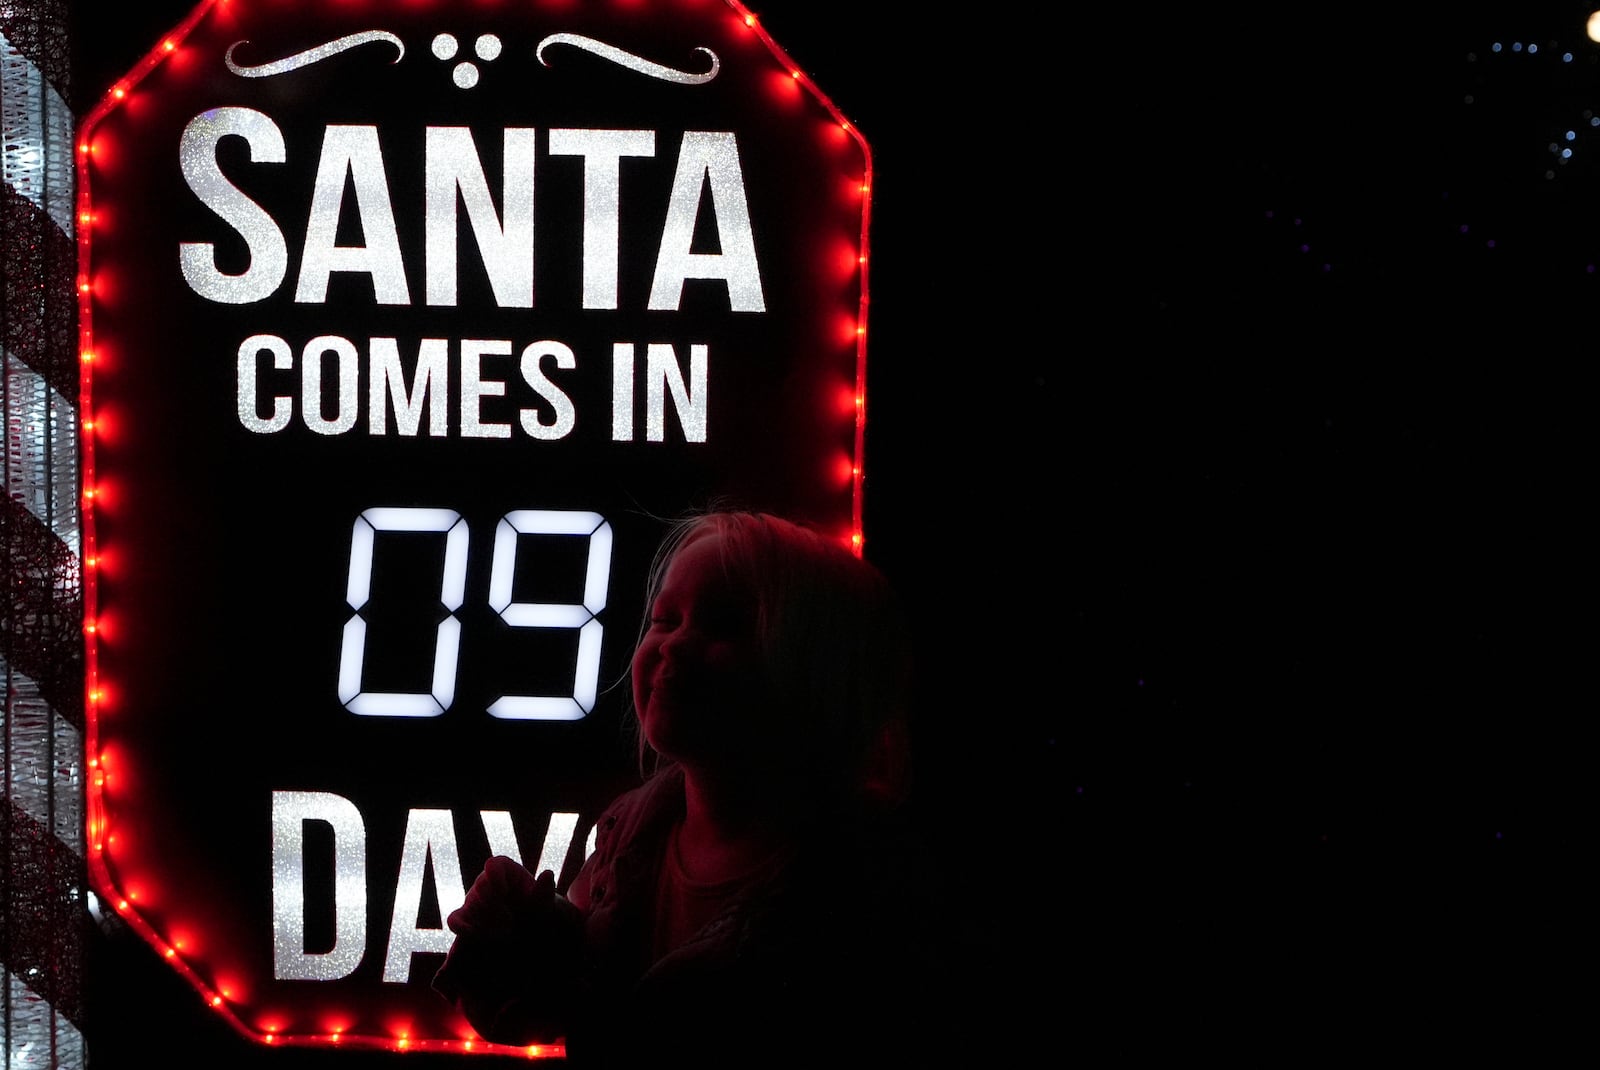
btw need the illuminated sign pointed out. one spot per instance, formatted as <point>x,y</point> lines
<point>405,326</point>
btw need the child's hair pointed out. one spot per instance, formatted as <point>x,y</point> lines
<point>834,640</point>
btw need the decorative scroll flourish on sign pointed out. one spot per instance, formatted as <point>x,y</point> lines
<point>629,60</point>
<point>620,57</point>
<point>312,55</point>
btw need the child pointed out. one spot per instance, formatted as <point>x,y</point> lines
<point>755,900</point>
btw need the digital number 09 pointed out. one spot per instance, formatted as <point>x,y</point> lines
<point>452,592</point>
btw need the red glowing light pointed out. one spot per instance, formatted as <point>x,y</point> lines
<point>786,88</point>
<point>844,258</point>
<point>847,327</point>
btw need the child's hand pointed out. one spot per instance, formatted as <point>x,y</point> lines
<point>504,898</point>
<point>515,959</point>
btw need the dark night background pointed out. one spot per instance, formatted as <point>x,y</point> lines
<point>1227,436</point>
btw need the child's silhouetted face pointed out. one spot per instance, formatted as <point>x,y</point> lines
<point>699,682</point>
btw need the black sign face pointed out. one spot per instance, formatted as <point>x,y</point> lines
<point>406,327</point>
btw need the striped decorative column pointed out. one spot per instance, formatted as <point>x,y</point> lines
<point>43,916</point>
